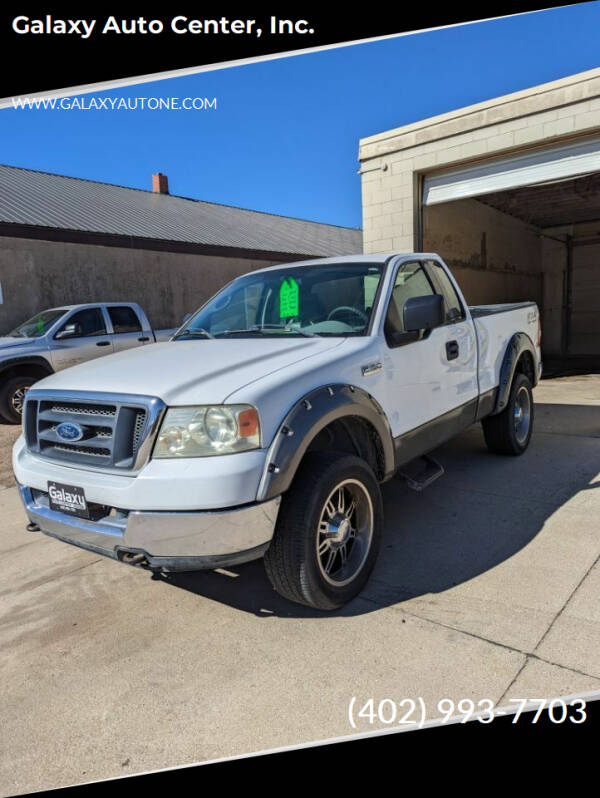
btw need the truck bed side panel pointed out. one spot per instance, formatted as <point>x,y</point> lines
<point>494,330</point>
<point>477,311</point>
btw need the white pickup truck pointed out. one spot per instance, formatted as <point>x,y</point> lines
<point>61,337</point>
<point>267,424</point>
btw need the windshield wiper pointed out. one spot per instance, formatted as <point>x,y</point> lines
<point>197,331</point>
<point>257,329</point>
<point>290,328</point>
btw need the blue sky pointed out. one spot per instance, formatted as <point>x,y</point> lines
<point>284,137</point>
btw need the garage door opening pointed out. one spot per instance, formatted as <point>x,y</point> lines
<point>522,228</point>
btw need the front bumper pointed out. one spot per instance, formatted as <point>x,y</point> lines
<point>172,541</point>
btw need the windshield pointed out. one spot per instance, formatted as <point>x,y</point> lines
<point>328,300</point>
<point>37,325</point>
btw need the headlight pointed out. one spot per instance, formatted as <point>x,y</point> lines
<point>205,431</point>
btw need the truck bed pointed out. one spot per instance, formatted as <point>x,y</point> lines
<point>477,311</point>
<point>164,335</point>
<point>495,325</point>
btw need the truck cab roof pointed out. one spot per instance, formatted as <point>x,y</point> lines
<point>83,305</point>
<point>376,257</point>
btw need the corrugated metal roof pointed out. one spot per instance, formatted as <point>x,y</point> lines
<point>29,197</point>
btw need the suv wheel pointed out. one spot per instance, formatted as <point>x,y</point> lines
<point>510,431</point>
<point>328,532</point>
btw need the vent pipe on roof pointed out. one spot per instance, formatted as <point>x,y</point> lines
<point>160,183</point>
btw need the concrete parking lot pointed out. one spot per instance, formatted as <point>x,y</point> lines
<point>487,587</point>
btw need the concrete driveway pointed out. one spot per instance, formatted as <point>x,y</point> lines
<point>486,588</point>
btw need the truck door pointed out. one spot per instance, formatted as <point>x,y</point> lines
<point>457,337</point>
<point>431,377</point>
<point>82,336</point>
<point>127,329</point>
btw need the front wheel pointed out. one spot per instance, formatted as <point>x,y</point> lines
<point>509,432</point>
<point>328,532</point>
<point>12,397</point>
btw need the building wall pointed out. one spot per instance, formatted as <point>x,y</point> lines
<point>392,162</point>
<point>393,165</point>
<point>554,258</point>
<point>42,274</point>
<point>584,323</point>
<point>583,331</point>
<point>491,254</point>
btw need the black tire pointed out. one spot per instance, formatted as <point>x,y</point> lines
<point>11,395</point>
<point>504,433</point>
<point>295,567</point>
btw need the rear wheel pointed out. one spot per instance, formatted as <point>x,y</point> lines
<point>12,397</point>
<point>509,432</point>
<point>328,532</point>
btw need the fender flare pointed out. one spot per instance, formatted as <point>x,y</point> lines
<point>33,360</point>
<point>518,344</point>
<point>308,416</point>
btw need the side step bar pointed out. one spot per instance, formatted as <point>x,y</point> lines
<point>421,472</point>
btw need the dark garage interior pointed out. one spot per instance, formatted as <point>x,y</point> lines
<point>541,241</point>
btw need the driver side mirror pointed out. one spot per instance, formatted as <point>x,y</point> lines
<point>423,312</point>
<point>68,331</point>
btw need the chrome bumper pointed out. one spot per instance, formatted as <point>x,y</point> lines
<point>173,541</point>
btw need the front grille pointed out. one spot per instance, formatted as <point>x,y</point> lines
<point>138,428</point>
<point>64,447</point>
<point>101,432</point>
<point>113,431</point>
<point>85,410</point>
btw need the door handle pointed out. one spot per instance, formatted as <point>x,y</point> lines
<point>452,350</point>
<point>371,368</point>
<point>102,343</point>
<point>144,338</point>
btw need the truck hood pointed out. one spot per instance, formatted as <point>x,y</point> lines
<point>7,342</point>
<point>205,371</point>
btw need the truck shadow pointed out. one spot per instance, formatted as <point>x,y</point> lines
<point>482,512</point>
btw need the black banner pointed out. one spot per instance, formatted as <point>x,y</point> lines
<point>439,754</point>
<point>49,49</point>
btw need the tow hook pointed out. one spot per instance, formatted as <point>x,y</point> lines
<point>134,559</point>
<point>140,559</point>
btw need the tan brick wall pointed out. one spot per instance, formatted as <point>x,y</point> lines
<point>519,265</point>
<point>542,115</point>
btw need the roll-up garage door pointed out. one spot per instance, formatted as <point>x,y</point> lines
<point>529,168</point>
<point>584,317</point>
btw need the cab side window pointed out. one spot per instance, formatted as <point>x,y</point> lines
<point>85,323</point>
<point>453,309</point>
<point>124,319</point>
<point>411,281</point>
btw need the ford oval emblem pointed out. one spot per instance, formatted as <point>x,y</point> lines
<point>69,431</point>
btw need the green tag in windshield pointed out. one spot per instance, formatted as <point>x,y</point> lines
<point>289,298</point>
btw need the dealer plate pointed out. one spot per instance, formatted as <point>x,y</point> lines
<point>68,499</point>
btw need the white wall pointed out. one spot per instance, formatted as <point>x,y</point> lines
<point>495,257</point>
